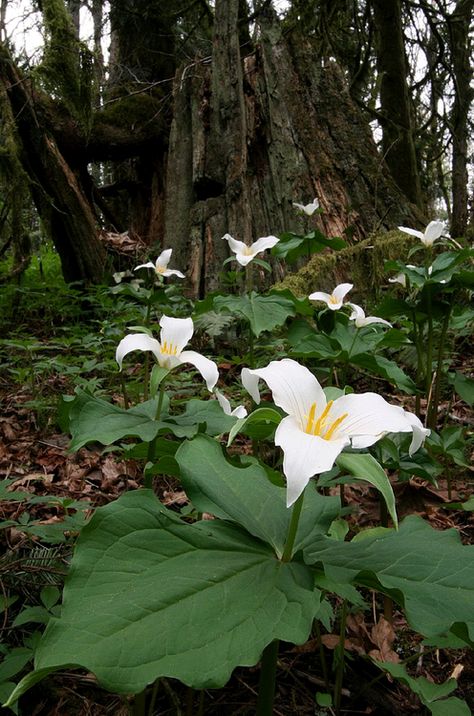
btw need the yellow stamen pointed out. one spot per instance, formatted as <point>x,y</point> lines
<point>169,348</point>
<point>333,299</point>
<point>329,433</point>
<point>160,270</point>
<point>309,424</point>
<point>322,419</point>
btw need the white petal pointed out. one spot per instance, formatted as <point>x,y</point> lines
<point>304,456</point>
<point>172,272</point>
<point>299,206</point>
<point>432,232</point>
<point>266,242</point>
<point>320,296</point>
<point>357,312</point>
<point>176,332</point>
<point>223,402</point>
<point>374,319</point>
<point>238,247</point>
<point>341,291</point>
<point>368,416</point>
<point>244,259</point>
<point>399,278</point>
<point>412,232</point>
<point>419,432</point>
<point>206,367</point>
<point>239,412</point>
<point>136,342</point>
<point>164,258</point>
<point>293,386</point>
<point>150,264</point>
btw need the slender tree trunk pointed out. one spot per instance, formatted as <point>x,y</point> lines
<point>397,124</point>
<point>459,23</point>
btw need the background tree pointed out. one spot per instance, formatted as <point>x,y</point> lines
<point>213,120</point>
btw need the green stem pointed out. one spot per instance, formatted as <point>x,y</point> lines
<point>340,665</point>
<point>433,412</point>
<point>249,277</point>
<point>387,601</point>
<point>322,655</point>
<point>146,379</point>
<point>148,483</point>
<point>139,704</point>
<point>124,391</point>
<point>266,688</point>
<point>292,529</point>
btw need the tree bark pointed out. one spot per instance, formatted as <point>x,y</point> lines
<point>459,23</point>
<point>56,191</point>
<point>251,136</point>
<point>397,124</point>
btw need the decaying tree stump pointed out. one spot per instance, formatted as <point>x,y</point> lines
<point>250,136</point>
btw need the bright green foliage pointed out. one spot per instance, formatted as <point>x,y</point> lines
<point>262,312</point>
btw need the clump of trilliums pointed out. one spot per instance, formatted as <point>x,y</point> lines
<point>335,301</point>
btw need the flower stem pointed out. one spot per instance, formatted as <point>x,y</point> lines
<point>433,408</point>
<point>292,529</point>
<point>340,664</point>
<point>266,688</point>
<point>148,482</point>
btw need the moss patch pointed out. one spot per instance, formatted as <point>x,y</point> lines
<point>362,265</point>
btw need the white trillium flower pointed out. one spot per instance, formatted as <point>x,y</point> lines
<point>399,278</point>
<point>316,431</point>
<point>239,412</point>
<point>243,253</point>
<point>308,209</point>
<point>361,320</point>
<point>332,300</point>
<point>168,351</point>
<point>433,231</point>
<point>161,264</point>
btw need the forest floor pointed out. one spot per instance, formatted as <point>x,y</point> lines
<point>36,458</point>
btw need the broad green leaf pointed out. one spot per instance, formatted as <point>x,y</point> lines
<point>305,341</point>
<point>429,571</point>
<point>379,365</point>
<point>95,420</point>
<point>363,466</point>
<point>464,386</point>
<point>431,695</point>
<point>246,496</point>
<point>209,412</point>
<point>266,418</point>
<point>263,312</point>
<point>149,596</point>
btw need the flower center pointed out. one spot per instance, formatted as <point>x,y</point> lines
<point>247,251</point>
<point>322,426</point>
<point>333,300</point>
<point>160,270</point>
<point>168,349</point>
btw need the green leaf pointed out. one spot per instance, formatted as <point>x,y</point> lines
<point>264,418</point>
<point>464,386</point>
<point>14,662</point>
<point>431,695</point>
<point>94,420</point>
<point>379,365</point>
<point>247,497</point>
<point>305,341</point>
<point>363,466</point>
<point>38,615</point>
<point>264,313</point>
<point>198,412</point>
<point>149,596</point>
<point>429,571</point>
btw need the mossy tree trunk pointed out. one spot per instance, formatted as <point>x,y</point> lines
<point>251,135</point>
<point>396,111</point>
<point>56,191</point>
